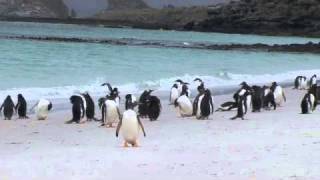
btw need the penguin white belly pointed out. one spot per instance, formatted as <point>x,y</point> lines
<point>112,115</point>
<point>278,95</point>
<point>133,98</point>
<point>179,88</point>
<point>84,102</point>
<point>266,92</point>
<point>313,81</point>
<point>130,126</point>
<point>185,106</point>
<point>117,100</point>
<point>249,101</point>
<point>303,84</point>
<point>189,92</point>
<point>174,95</point>
<point>312,100</point>
<point>198,113</point>
<point>42,109</point>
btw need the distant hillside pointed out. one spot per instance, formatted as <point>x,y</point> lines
<point>126,4</point>
<point>33,8</point>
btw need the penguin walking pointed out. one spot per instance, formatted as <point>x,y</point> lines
<point>8,108</point>
<point>241,107</point>
<point>130,99</point>
<point>308,103</point>
<point>313,80</point>
<point>42,108</point>
<point>89,106</point>
<point>278,92</point>
<point>143,106</point>
<point>205,105</point>
<point>184,105</point>
<point>174,93</point>
<point>78,110</point>
<point>21,107</point>
<point>130,125</point>
<point>110,111</point>
<point>154,107</point>
<point>257,98</point>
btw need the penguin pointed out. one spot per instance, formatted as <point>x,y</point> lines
<point>300,83</point>
<point>78,110</point>
<point>21,107</point>
<point>205,105</point>
<point>114,92</point>
<point>268,98</point>
<point>201,86</point>
<point>184,105</point>
<point>130,125</point>
<point>196,100</point>
<point>8,108</point>
<point>43,106</point>
<point>313,80</point>
<point>279,95</point>
<point>89,106</point>
<point>227,106</point>
<point>130,99</point>
<point>110,111</point>
<point>257,98</point>
<point>182,85</point>
<point>308,103</point>
<point>241,107</point>
<point>315,90</point>
<point>143,106</point>
<point>154,107</point>
<point>174,93</point>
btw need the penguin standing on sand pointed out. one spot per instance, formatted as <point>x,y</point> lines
<point>201,91</point>
<point>21,107</point>
<point>143,106</point>
<point>300,82</point>
<point>154,107</point>
<point>110,111</point>
<point>278,93</point>
<point>313,80</point>
<point>315,90</point>
<point>183,104</point>
<point>130,100</point>
<point>130,125</point>
<point>182,85</point>
<point>8,108</point>
<point>257,98</point>
<point>174,93</point>
<point>205,105</point>
<point>89,106</point>
<point>268,98</point>
<point>241,107</point>
<point>78,110</point>
<point>43,106</point>
<point>308,103</point>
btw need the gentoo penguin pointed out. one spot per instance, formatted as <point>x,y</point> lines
<point>21,107</point>
<point>315,90</point>
<point>8,108</point>
<point>110,111</point>
<point>89,106</point>
<point>257,98</point>
<point>184,105</point>
<point>205,105</point>
<point>78,110</point>
<point>268,98</point>
<point>313,80</point>
<point>154,107</point>
<point>279,95</point>
<point>196,100</point>
<point>130,125</point>
<point>227,106</point>
<point>308,103</point>
<point>182,85</point>
<point>300,82</point>
<point>246,89</point>
<point>241,107</point>
<point>143,106</point>
<point>201,86</point>
<point>113,92</point>
<point>174,93</point>
<point>130,99</point>
<point>43,106</point>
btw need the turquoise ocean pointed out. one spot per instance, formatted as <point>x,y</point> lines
<point>59,69</point>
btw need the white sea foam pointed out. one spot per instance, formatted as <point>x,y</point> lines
<point>220,81</point>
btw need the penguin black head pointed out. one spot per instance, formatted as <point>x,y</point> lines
<point>198,79</point>
<point>20,97</point>
<point>175,86</point>
<point>200,89</point>
<point>74,99</point>
<point>179,81</point>
<point>184,90</point>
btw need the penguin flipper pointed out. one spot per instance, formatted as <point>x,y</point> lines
<point>118,127</point>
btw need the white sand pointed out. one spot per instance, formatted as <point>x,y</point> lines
<point>281,144</point>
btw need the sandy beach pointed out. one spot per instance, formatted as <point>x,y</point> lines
<point>281,144</point>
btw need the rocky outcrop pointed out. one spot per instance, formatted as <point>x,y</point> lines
<point>126,4</point>
<point>274,17</point>
<point>33,8</point>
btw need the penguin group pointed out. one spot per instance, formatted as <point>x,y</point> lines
<point>311,99</point>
